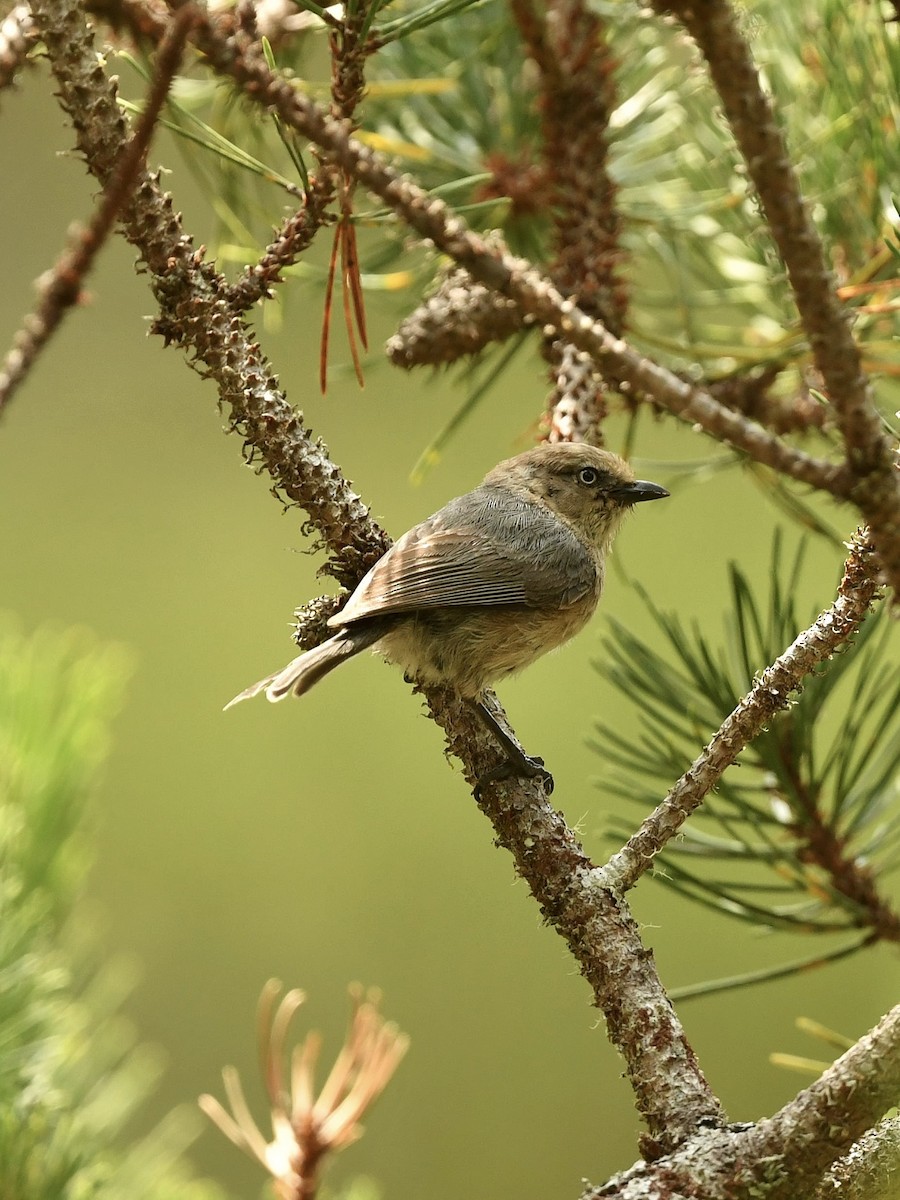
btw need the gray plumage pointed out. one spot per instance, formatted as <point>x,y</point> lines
<point>490,582</point>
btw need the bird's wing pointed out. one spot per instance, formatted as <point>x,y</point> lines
<point>483,548</point>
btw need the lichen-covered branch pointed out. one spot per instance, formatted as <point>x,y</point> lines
<point>671,1092</point>
<point>826,1118</point>
<point>782,1157</point>
<point>770,694</point>
<point>870,1170</point>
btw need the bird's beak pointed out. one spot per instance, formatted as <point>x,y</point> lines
<point>641,489</point>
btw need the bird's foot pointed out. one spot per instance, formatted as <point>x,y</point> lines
<point>523,766</point>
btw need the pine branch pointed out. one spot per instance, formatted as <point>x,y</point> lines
<point>71,1075</point>
<point>534,294</point>
<point>194,311</point>
<point>876,489</point>
<point>671,1089</point>
<point>770,693</point>
<point>683,1115</point>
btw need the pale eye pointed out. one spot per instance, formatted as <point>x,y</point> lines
<point>588,476</point>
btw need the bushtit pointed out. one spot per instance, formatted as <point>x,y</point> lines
<point>488,584</point>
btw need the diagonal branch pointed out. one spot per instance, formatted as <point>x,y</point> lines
<point>603,936</point>
<point>771,693</point>
<point>535,295</point>
<point>62,289</point>
<point>195,313</point>
<point>715,27</point>
<point>825,1119</point>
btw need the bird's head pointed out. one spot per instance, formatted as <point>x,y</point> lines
<point>591,489</point>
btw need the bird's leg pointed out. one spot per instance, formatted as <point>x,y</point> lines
<point>517,761</point>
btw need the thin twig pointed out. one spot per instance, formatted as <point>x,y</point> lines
<point>771,693</point>
<point>295,236</point>
<point>62,285</point>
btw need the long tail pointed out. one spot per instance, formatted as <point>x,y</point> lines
<point>308,668</point>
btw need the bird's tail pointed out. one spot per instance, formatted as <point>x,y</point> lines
<point>308,668</point>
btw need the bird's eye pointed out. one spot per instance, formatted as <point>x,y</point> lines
<point>588,476</point>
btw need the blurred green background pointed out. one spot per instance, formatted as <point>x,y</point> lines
<point>328,841</point>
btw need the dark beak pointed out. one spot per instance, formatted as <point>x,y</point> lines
<point>634,493</point>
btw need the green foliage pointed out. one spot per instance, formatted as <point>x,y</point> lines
<point>802,827</point>
<point>70,1073</point>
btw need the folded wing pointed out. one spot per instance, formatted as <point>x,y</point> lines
<point>462,556</point>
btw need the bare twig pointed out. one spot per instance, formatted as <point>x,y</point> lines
<point>306,1128</point>
<point>296,235</point>
<point>715,26</point>
<point>769,695</point>
<point>61,288</point>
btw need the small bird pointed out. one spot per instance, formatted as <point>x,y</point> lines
<point>486,585</point>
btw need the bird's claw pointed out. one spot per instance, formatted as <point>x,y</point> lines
<point>528,768</point>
